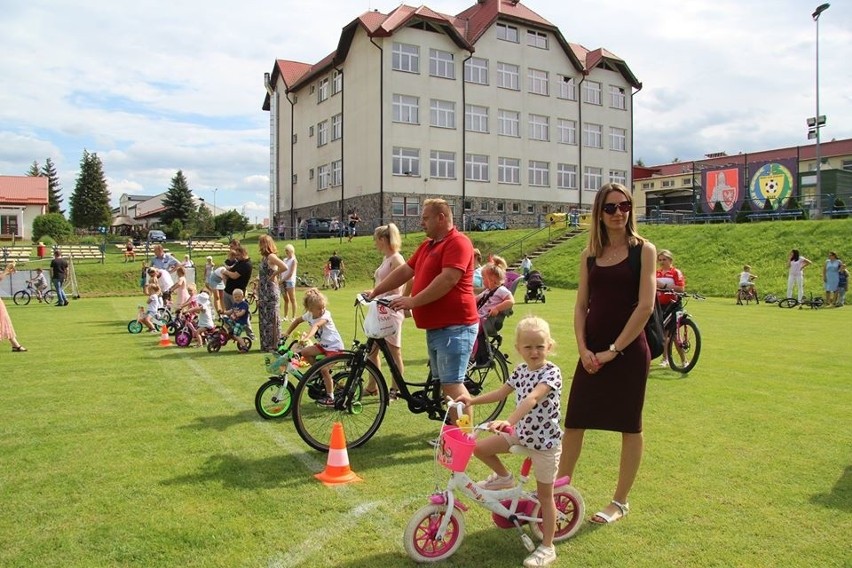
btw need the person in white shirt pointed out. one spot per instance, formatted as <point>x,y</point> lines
<point>796,264</point>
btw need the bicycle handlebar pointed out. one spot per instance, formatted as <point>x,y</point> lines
<point>361,298</point>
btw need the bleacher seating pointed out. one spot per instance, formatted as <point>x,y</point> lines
<point>201,246</point>
<point>776,215</point>
<point>708,218</point>
<point>82,252</point>
<point>20,254</point>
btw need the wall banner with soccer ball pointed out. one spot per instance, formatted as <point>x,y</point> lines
<point>774,181</point>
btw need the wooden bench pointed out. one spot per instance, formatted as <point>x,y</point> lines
<point>82,252</point>
<point>776,215</point>
<point>208,246</point>
<point>708,218</point>
<point>837,212</point>
<point>19,254</point>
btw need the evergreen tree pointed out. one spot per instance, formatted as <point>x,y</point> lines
<point>54,187</point>
<point>177,202</point>
<point>745,211</point>
<point>34,170</point>
<point>204,224</point>
<point>90,200</point>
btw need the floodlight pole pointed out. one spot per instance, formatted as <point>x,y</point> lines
<point>817,127</point>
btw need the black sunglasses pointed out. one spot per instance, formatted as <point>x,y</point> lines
<point>624,207</point>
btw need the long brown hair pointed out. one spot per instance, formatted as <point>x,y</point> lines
<point>267,245</point>
<point>598,237</point>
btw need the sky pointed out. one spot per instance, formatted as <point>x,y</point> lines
<point>158,86</point>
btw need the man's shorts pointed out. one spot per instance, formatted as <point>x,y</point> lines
<point>545,462</point>
<point>449,351</point>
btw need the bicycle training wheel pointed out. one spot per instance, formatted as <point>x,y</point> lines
<point>688,339</point>
<point>570,510</point>
<point>788,303</point>
<point>274,398</point>
<point>361,414</point>
<point>480,380</point>
<point>21,298</point>
<point>420,538</point>
<point>50,297</point>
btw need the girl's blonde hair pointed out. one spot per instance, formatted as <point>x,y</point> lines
<point>496,271</point>
<point>499,261</point>
<point>290,248</point>
<point>153,288</point>
<point>314,299</point>
<point>598,237</point>
<point>180,270</point>
<point>389,232</point>
<point>666,253</point>
<point>534,324</point>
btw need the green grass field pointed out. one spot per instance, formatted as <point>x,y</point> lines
<point>117,452</point>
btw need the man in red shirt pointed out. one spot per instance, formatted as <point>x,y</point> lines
<point>441,300</point>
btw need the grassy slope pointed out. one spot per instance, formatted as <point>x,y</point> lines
<point>711,256</point>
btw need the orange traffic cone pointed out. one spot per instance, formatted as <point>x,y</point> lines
<point>164,337</point>
<point>337,468</point>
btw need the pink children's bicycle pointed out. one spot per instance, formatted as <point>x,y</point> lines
<point>436,531</point>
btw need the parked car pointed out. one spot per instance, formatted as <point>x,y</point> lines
<point>320,227</point>
<point>155,236</point>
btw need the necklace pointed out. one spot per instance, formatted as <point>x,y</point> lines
<point>614,252</point>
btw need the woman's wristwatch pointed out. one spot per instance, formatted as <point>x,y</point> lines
<point>614,349</point>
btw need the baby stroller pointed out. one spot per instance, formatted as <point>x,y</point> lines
<point>535,288</point>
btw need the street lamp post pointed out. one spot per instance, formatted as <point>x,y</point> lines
<point>215,189</point>
<point>818,121</point>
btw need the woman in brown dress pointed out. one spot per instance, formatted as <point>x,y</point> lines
<point>613,305</point>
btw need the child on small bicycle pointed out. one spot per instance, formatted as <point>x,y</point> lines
<point>323,330</point>
<point>152,306</point>
<point>39,283</point>
<point>537,384</point>
<point>204,324</point>
<point>747,284</point>
<point>239,317</point>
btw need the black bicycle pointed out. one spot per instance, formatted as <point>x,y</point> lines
<point>812,302</point>
<point>684,344</point>
<point>360,412</point>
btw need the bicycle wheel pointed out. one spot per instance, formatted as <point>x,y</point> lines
<point>49,297</point>
<point>309,281</point>
<point>420,537</point>
<point>246,345</point>
<point>360,416</point>
<point>214,342</point>
<point>274,398</point>
<point>817,303</point>
<point>480,380</point>
<point>570,510</point>
<point>788,303</point>
<point>134,326</point>
<point>183,338</point>
<point>685,347</point>
<point>21,298</point>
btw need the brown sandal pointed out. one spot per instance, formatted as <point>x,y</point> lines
<point>19,348</point>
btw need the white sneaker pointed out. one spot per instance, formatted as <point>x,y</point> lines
<point>496,482</point>
<point>664,364</point>
<point>541,556</point>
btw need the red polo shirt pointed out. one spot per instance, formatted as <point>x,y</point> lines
<point>458,306</point>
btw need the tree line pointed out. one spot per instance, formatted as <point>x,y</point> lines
<point>90,205</point>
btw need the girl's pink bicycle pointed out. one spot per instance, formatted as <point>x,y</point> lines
<point>436,531</point>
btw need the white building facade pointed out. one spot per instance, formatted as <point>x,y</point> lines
<point>492,110</point>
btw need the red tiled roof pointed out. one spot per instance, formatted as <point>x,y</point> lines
<point>23,190</point>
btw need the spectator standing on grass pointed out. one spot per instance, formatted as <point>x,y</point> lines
<point>335,264</point>
<point>353,219</point>
<point>187,262</point>
<point>58,273</point>
<point>288,282</point>
<point>179,288</point>
<point>163,260</point>
<point>526,266</point>
<point>7,331</point>
<point>831,278</point>
<point>613,304</point>
<point>238,276</point>
<point>164,280</point>
<point>441,300</point>
<point>842,285</point>
<point>796,265</point>
<point>268,293</point>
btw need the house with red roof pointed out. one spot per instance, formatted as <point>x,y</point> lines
<point>22,199</point>
<point>492,109</point>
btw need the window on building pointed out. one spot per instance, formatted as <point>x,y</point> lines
<point>322,90</point>
<point>476,167</point>
<point>311,173</point>
<point>310,131</point>
<point>592,135</point>
<point>442,113</point>
<point>405,206</point>
<point>619,176</point>
<point>618,139</point>
<point>322,133</point>
<point>592,92</point>
<point>483,206</point>
<point>648,185</point>
<point>539,173</point>
<point>500,207</point>
<point>846,165</point>
<point>323,176</point>
<point>667,183</point>
<point>592,178</point>
<point>567,88</point>
<point>617,97</point>
<point>516,207</point>
<point>337,127</point>
<point>686,181</point>
<point>476,71</point>
<point>530,208</point>
<point>509,170</point>
<point>537,39</point>
<point>539,127</point>
<point>406,161</point>
<point>442,64</point>
<point>475,118</point>
<point>406,58</point>
<point>508,123</point>
<point>336,82</point>
<point>337,173</point>
<point>566,176</point>
<point>537,81</point>
<point>406,109</point>
<point>9,225</point>
<point>508,76</point>
<point>567,130</point>
<point>506,32</point>
<point>442,164</point>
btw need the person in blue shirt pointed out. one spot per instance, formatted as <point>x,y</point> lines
<point>239,315</point>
